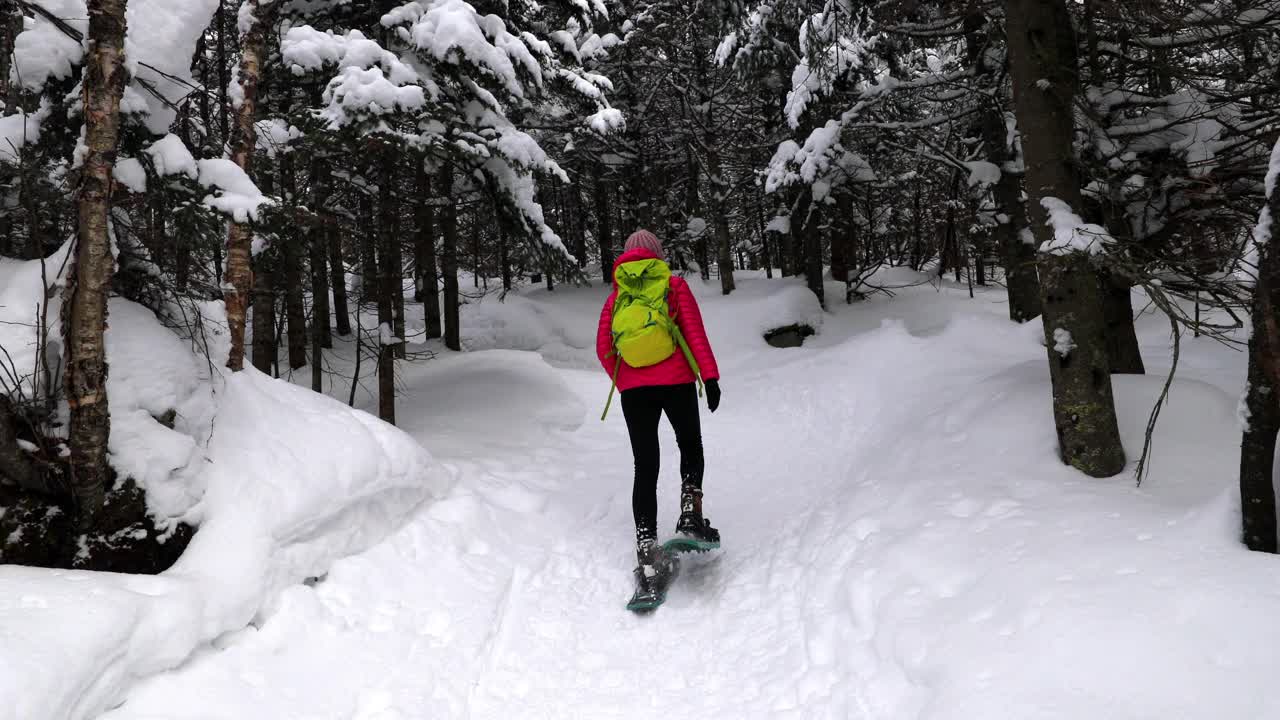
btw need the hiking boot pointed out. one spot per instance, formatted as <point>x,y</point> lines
<point>694,534</point>
<point>653,575</point>
<point>693,531</point>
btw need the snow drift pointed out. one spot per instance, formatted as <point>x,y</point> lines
<point>282,482</point>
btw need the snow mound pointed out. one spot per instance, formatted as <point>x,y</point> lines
<point>152,372</point>
<point>282,481</point>
<point>558,325</point>
<point>513,396</point>
<point>736,324</point>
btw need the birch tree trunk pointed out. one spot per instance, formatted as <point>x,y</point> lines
<point>86,319</point>
<point>239,276</point>
<point>1044,68</point>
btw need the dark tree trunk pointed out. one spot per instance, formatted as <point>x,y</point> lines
<point>1262,400</point>
<point>388,274</point>
<point>798,237</point>
<point>291,259</point>
<point>253,52</point>
<point>979,260</point>
<point>86,313</point>
<point>1124,357</point>
<point>804,222</point>
<point>338,271</point>
<point>368,252</point>
<point>425,251</point>
<point>475,249</point>
<point>322,335</point>
<point>1017,255</point>
<point>841,235</point>
<point>1042,48</point>
<point>449,261</point>
<point>1258,445</point>
<point>265,345</point>
<point>720,219</point>
<point>504,257</point>
<point>604,229</point>
<point>10,26</point>
<point>395,257</point>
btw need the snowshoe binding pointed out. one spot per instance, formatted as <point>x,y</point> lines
<point>655,573</point>
<point>694,532</point>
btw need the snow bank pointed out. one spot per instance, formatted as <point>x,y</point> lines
<point>561,325</point>
<point>558,325</point>
<point>282,482</point>
<point>901,542</point>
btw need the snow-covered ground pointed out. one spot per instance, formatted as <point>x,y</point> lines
<point>900,540</point>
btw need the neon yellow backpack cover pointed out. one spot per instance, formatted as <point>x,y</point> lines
<point>643,332</point>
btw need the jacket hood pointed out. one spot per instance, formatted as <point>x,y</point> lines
<point>630,256</point>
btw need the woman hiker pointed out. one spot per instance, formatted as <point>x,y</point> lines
<point>652,343</point>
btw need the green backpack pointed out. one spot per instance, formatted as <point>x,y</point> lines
<point>643,332</point>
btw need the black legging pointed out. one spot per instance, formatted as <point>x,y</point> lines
<point>643,408</point>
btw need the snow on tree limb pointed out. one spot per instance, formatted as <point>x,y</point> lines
<point>1071,234</point>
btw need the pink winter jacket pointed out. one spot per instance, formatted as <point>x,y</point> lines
<point>674,370</point>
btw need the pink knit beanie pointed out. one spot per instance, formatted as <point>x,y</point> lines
<point>647,240</point>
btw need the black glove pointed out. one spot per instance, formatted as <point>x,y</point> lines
<point>713,394</point>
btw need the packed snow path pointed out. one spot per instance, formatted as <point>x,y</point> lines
<point>899,543</point>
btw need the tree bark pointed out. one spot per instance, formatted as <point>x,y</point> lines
<point>1262,400</point>
<point>841,237</point>
<point>10,26</point>
<point>504,257</point>
<point>719,199</point>
<point>338,272</point>
<point>90,281</point>
<point>1124,357</point>
<point>1017,255</point>
<point>1043,64</point>
<point>604,230</point>
<point>322,330</point>
<point>239,276</point>
<point>449,261</point>
<point>428,281</point>
<point>388,285</point>
<point>804,220</point>
<point>291,259</point>
<point>265,344</point>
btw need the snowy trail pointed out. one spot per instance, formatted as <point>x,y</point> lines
<point>896,546</point>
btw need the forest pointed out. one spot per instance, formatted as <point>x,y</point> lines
<point>290,287</point>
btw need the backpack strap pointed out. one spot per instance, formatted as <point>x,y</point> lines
<point>613,387</point>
